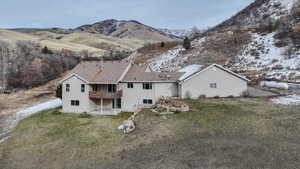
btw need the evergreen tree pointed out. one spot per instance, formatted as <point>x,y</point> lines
<point>59,91</point>
<point>45,50</point>
<point>187,43</point>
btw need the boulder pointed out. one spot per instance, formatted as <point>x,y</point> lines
<point>128,126</point>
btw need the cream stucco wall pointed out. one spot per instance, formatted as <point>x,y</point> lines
<point>199,84</point>
<point>75,94</point>
<point>133,97</point>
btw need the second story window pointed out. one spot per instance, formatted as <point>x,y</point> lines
<point>130,85</point>
<point>147,86</point>
<point>213,85</point>
<point>67,87</point>
<point>82,88</point>
<point>112,88</point>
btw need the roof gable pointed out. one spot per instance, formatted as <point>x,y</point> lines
<point>72,75</point>
<point>217,66</point>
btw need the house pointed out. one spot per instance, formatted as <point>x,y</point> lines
<point>111,87</point>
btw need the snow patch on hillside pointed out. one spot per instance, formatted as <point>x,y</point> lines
<point>176,58</point>
<point>181,33</point>
<point>262,55</point>
<point>169,61</point>
<point>276,8</point>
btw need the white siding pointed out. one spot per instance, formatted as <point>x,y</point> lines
<point>75,94</point>
<point>199,84</point>
<point>133,97</point>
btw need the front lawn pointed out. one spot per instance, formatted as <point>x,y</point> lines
<point>216,133</point>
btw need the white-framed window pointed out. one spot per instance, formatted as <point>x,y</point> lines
<point>147,86</point>
<point>147,101</point>
<point>67,87</point>
<point>130,85</point>
<point>75,103</point>
<point>82,88</point>
<point>213,85</point>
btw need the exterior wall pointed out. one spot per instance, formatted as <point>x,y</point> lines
<point>75,94</point>
<point>199,84</point>
<point>133,97</point>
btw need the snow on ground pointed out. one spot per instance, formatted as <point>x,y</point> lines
<point>164,62</point>
<point>20,115</point>
<point>189,70</point>
<point>262,54</point>
<point>277,85</point>
<point>287,100</point>
<point>175,59</point>
<point>276,8</point>
<point>38,108</point>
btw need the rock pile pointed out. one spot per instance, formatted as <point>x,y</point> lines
<point>128,126</point>
<point>170,106</point>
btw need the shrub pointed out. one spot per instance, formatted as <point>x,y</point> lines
<point>231,96</point>
<point>85,115</point>
<point>203,96</point>
<point>216,97</point>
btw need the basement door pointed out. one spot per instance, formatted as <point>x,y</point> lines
<point>117,104</point>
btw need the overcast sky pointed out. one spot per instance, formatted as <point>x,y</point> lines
<point>174,14</point>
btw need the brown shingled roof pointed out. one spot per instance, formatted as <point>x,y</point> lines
<point>93,72</point>
<point>138,74</point>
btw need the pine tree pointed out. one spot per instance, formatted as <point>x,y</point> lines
<point>186,43</point>
<point>45,50</point>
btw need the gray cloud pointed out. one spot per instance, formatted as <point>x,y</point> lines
<point>157,13</point>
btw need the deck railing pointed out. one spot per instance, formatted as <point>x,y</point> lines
<point>105,95</point>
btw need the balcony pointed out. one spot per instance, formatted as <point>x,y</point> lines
<point>105,95</point>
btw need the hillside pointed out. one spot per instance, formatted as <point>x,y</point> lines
<point>97,45</point>
<point>127,29</point>
<point>261,41</point>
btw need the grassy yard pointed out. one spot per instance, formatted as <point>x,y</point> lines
<point>223,133</point>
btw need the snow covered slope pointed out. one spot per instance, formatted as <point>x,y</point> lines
<point>261,41</point>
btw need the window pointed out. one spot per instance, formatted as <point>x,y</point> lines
<point>117,104</point>
<point>147,101</point>
<point>95,88</point>
<point>130,85</point>
<point>67,87</point>
<point>112,88</point>
<point>75,103</point>
<point>82,88</point>
<point>147,86</point>
<point>213,85</point>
